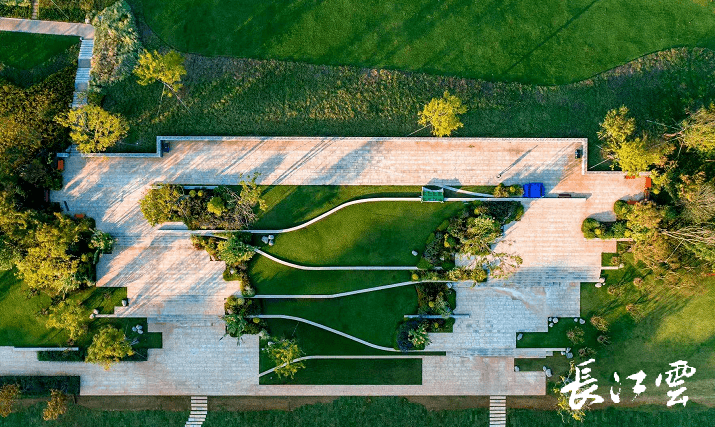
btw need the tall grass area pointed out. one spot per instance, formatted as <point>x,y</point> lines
<point>552,42</point>
<point>227,96</point>
<point>650,326</point>
<point>366,411</point>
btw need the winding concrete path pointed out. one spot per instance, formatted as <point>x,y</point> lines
<point>346,294</point>
<point>57,28</point>
<point>337,267</point>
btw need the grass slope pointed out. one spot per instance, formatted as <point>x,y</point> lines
<point>229,96</point>
<point>556,42</point>
<point>376,233</point>
<point>26,51</point>
<point>371,316</point>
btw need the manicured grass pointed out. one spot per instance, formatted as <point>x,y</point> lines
<point>271,278</point>
<point>369,412</point>
<point>244,97</point>
<point>556,42</point>
<point>354,372</point>
<point>676,325</point>
<point>371,316</point>
<point>376,233</point>
<point>290,205</point>
<point>23,325</point>
<point>26,51</point>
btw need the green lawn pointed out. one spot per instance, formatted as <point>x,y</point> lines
<point>271,278</point>
<point>23,325</point>
<point>367,411</point>
<point>675,326</point>
<point>354,372</point>
<point>552,43</point>
<point>371,316</point>
<point>26,51</point>
<point>376,233</point>
<point>290,205</point>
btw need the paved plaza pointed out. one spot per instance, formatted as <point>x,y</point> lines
<point>181,291</point>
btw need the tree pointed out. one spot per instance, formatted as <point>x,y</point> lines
<point>167,69</point>
<point>697,197</point>
<point>162,204</point>
<point>93,129</point>
<point>638,154</point>
<point>634,154</point>
<point>418,336</point>
<point>698,130</point>
<point>617,127</point>
<point>52,263</point>
<point>70,317</point>
<point>235,326</point>
<point>109,346</point>
<point>9,394</point>
<point>441,115</point>
<point>234,250</point>
<point>283,353</point>
<point>216,206</point>
<point>480,233</point>
<point>56,406</point>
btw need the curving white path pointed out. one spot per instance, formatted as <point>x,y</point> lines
<point>336,267</point>
<point>346,294</point>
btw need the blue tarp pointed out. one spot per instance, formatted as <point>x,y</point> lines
<point>534,190</point>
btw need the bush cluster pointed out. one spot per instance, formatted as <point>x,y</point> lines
<point>593,229</point>
<point>515,190</point>
<point>36,386</point>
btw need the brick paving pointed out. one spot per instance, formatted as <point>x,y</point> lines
<point>181,291</point>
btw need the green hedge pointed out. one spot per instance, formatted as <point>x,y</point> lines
<point>41,385</point>
<point>593,229</point>
<point>8,11</point>
<point>61,356</point>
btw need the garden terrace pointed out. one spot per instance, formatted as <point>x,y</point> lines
<point>181,292</point>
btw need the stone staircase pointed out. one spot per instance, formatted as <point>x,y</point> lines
<point>199,409</point>
<point>81,81</point>
<point>497,411</point>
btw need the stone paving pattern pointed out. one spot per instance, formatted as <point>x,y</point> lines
<point>181,292</point>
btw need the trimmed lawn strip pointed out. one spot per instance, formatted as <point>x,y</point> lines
<point>26,50</point>
<point>372,316</point>
<point>558,42</point>
<point>379,233</point>
<point>271,278</point>
<point>353,372</point>
<point>674,327</point>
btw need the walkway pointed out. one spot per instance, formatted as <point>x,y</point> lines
<point>47,27</point>
<point>84,31</point>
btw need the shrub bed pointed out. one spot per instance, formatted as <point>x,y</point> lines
<point>36,386</point>
<point>471,232</point>
<point>593,229</point>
